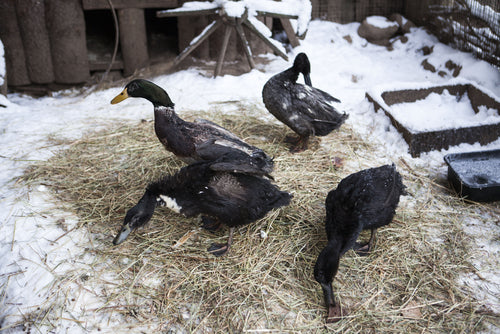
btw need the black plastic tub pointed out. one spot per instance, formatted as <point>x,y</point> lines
<point>475,175</point>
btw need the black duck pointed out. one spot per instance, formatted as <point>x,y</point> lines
<point>363,200</point>
<point>232,199</point>
<point>306,110</point>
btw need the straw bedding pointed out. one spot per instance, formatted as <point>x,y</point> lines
<point>162,278</point>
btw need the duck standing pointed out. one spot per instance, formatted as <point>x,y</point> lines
<point>201,140</point>
<point>306,110</point>
<point>232,199</point>
<point>363,200</point>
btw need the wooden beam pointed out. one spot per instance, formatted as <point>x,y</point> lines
<point>119,4</point>
<point>66,26</point>
<point>256,31</point>
<point>102,65</point>
<point>197,41</point>
<point>246,45</point>
<point>174,12</point>
<point>133,39</point>
<point>292,37</point>
<point>277,15</point>
<point>220,61</point>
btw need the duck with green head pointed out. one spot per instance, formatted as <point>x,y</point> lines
<point>201,140</point>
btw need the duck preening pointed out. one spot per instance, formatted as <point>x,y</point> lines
<point>363,200</point>
<point>306,110</point>
<point>201,140</point>
<point>232,199</point>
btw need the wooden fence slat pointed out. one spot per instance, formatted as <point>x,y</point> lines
<point>31,18</point>
<point>15,61</point>
<point>133,39</point>
<point>119,4</point>
<point>66,25</point>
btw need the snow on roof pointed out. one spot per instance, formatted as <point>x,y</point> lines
<point>299,8</point>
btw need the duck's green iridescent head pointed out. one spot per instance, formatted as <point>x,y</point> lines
<point>145,89</point>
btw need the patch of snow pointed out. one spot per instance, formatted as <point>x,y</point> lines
<point>442,111</point>
<point>381,22</point>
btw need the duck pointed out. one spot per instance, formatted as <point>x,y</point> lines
<point>365,200</point>
<point>227,198</point>
<point>197,141</point>
<point>308,111</point>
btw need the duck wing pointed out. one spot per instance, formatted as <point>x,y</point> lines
<point>230,159</point>
<point>215,143</point>
<point>318,107</point>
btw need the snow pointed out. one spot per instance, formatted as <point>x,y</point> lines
<point>381,22</point>
<point>442,111</point>
<point>40,245</point>
<point>299,8</point>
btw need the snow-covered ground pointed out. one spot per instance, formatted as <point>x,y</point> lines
<point>33,243</point>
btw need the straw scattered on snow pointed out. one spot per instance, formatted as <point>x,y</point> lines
<point>162,277</point>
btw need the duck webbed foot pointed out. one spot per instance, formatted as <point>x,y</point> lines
<point>210,224</point>
<point>335,313</point>
<point>364,249</point>
<point>298,144</point>
<point>221,249</point>
<point>218,249</point>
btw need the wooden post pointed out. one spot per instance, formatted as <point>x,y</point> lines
<point>217,42</point>
<point>133,40</point>
<point>66,26</point>
<point>188,28</point>
<point>257,45</point>
<point>31,21</point>
<point>290,33</point>
<point>15,61</point>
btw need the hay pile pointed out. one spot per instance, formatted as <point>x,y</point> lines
<point>162,277</point>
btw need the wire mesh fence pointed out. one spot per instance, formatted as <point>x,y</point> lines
<point>468,25</point>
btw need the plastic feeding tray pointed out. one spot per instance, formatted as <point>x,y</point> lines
<point>437,117</point>
<point>475,175</point>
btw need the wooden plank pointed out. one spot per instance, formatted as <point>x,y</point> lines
<point>292,37</point>
<point>119,4</point>
<point>246,45</point>
<point>175,13</point>
<point>36,42</point>
<point>133,39</point>
<point>66,26</point>
<point>277,15</point>
<point>188,27</point>
<point>102,65</point>
<point>197,41</point>
<point>15,60</point>
<point>256,31</point>
<point>227,34</point>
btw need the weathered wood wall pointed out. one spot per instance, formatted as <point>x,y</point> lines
<point>345,11</point>
<point>45,41</point>
<point>65,20</point>
<point>15,60</point>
